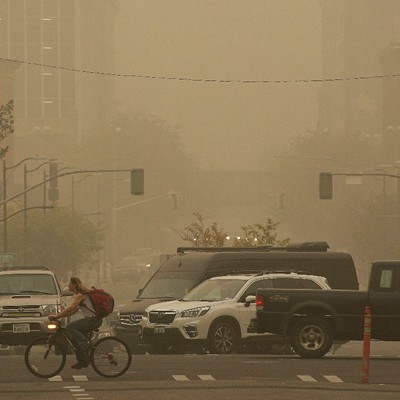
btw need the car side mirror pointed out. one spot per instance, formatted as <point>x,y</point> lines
<point>66,292</point>
<point>249,299</point>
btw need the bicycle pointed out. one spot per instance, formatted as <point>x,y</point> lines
<point>46,356</point>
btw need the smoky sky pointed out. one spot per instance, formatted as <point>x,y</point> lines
<point>223,125</point>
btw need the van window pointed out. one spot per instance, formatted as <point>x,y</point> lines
<point>172,285</point>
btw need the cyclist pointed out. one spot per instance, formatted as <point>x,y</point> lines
<point>79,329</point>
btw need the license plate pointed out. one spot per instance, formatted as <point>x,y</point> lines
<point>159,330</point>
<point>21,328</point>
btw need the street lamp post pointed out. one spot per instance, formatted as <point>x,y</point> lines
<point>5,169</point>
<point>26,171</point>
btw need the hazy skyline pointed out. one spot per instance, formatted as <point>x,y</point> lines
<point>224,125</point>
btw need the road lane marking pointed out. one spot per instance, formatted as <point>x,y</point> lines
<point>80,394</point>
<point>206,377</point>
<point>76,390</point>
<point>180,378</point>
<point>333,378</point>
<point>307,378</point>
<point>80,378</point>
<point>71,387</point>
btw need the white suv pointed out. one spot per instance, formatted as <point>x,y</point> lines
<point>27,296</point>
<point>217,313</point>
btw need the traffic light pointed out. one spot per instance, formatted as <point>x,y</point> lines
<point>53,194</point>
<point>53,172</point>
<point>325,186</point>
<point>137,181</point>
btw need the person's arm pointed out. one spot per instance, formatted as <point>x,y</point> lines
<point>71,309</point>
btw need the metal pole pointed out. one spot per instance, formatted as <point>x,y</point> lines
<point>25,214</point>
<point>4,207</point>
<point>44,192</point>
<point>398,192</point>
<point>72,194</point>
<point>384,195</point>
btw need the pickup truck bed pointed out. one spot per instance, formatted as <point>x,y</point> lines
<point>314,319</point>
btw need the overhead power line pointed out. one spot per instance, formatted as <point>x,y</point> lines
<point>204,80</point>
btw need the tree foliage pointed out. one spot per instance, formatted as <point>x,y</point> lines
<point>198,234</point>
<point>6,124</point>
<point>260,235</point>
<point>58,240</point>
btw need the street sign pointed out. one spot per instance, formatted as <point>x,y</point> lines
<point>4,257</point>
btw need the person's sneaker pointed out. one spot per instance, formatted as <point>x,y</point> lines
<point>78,365</point>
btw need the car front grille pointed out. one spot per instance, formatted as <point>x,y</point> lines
<point>130,319</point>
<point>161,317</point>
<point>21,311</point>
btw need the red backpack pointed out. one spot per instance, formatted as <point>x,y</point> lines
<point>103,302</point>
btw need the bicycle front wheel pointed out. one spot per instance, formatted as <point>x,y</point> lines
<point>45,357</point>
<point>110,357</point>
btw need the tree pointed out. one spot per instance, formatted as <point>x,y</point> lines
<point>260,235</point>
<point>58,240</point>
<point>6,124</point>
<point>200,235</point>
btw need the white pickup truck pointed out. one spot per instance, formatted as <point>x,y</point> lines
<point>27,296</point>
<point>217,313</point>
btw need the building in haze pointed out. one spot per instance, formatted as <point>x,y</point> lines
<point>54,106</point>
<point>358,40</point>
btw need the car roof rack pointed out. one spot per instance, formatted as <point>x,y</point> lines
<point>285,271</point>
<point>301,247</point>
<point>23,268</point>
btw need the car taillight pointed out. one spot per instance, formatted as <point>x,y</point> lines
<point>259,302</point>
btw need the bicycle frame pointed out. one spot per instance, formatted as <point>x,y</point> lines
<point>58,329</point>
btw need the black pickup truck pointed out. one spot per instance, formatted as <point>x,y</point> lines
<point>313,319</point>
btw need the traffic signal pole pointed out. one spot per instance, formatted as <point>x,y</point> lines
<point>326,181</point>
<point>48,179</point>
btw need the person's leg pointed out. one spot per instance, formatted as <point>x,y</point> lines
<point>78,330</point>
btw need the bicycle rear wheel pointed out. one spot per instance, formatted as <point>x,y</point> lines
<point>110,357</point>
<point>45,357</point>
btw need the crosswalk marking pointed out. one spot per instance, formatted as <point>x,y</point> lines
<point>80,378</point>
<point>180,377</point>
<point>307,378</point>
<point>333,378</point>
<point>56,378</point>
<point>206,377</point>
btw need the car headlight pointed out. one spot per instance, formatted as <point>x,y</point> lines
<point>50,309</point>
<point>195,312</point>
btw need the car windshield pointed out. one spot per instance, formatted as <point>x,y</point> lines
<point>171,285</point>
<point>215,290</point>
<point>27,284</point>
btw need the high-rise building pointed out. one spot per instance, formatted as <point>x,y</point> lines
<point>354,36</point>
<point>56,43</point>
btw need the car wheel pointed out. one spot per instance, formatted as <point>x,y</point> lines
<point>223,338</point>
<point>311,337</point>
